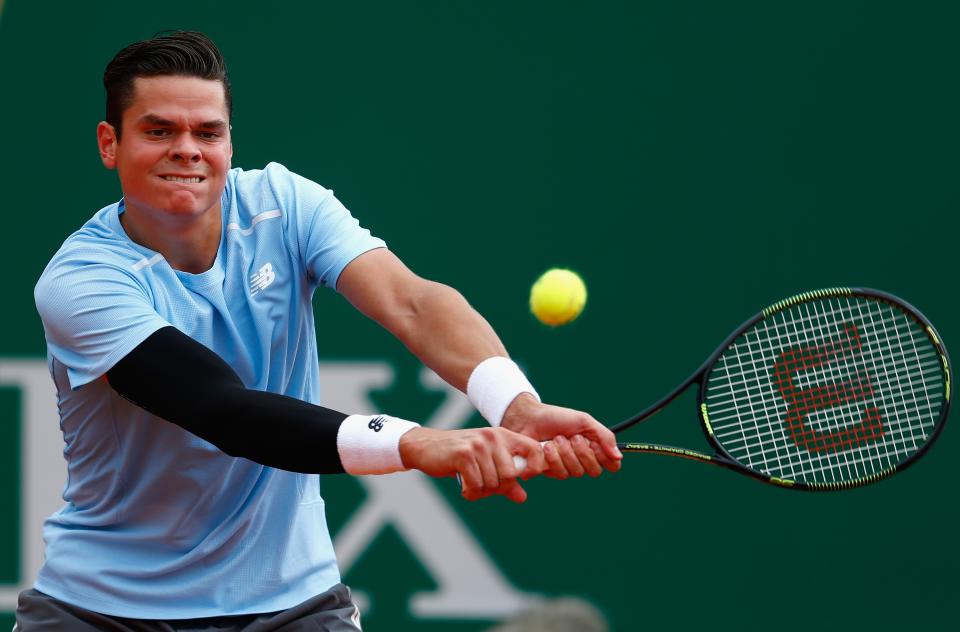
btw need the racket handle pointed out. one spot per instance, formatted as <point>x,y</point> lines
<point>519,462</point>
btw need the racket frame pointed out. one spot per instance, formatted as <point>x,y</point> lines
<point>723,458</point>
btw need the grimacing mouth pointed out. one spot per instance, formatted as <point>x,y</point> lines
<point>184,179</point>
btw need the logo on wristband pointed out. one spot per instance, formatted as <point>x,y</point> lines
<point>376,424</point>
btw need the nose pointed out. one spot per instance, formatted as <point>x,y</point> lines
<point>185,148</point>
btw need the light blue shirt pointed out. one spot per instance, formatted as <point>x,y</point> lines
<point>158,523</point>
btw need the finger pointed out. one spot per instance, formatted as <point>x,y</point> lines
<point>586,456</point>
<point>488,470</point>
<point>533,461</point>
<point>569,457</point>
<point>513,491</point>
<point>507,468</point>
<point>555,467</point>
<point>471,481</point>
<point>611,465</point>
<point>596,431</point>
<point>609,455</point>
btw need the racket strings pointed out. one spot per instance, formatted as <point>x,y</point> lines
<point>749,378</point>
<point>830,390</point>
<point>751,386</point>
<point>857,463</point>
<point>891,449</point>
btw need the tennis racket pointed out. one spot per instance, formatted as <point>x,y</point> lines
<point>826,390</point>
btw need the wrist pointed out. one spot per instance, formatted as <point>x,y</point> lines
<point>494,385</point>
<point>517,416</point>
<point>370,444</point>
<point>408,446</point>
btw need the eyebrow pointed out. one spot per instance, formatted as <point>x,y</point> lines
<point>153,119</point>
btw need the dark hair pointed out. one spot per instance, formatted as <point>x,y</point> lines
<point>186,53</point>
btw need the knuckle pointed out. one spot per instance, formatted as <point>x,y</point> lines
<point>463,452</point>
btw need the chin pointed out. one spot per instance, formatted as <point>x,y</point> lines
<point>188,212</point>
<point>187,207</point>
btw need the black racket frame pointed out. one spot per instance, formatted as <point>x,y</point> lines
<point>723,458</point>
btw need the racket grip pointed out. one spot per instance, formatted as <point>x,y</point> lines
<point>519,462</point>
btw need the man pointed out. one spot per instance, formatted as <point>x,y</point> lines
<point>181,340</point>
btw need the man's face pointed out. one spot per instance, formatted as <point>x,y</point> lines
<point>175,150</point>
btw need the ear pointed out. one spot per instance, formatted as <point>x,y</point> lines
<point>230,156</point>
<point>107,144</point>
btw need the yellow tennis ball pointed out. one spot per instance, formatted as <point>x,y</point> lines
<point>558,297</point>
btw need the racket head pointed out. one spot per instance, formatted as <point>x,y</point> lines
<point>827,390</point>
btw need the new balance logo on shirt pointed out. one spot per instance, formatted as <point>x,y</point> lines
<point>263,278</point>
<point>376,424</point>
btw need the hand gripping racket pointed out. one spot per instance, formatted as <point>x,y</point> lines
<point>826,390</point>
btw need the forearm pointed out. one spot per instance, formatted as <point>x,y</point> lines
<point>438,325</point>
<point>270,429</point>
<point>446,333</point>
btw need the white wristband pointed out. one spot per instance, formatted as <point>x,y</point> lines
<point>370,444</point>
<point>494,384</point>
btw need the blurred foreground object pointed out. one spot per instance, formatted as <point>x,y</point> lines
<point>565,614</point>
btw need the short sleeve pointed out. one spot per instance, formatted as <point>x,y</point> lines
<point>328,237</point>
<point>334,238</point>
<point>93,315</point>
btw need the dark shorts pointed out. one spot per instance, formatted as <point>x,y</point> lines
<point>331,611</point>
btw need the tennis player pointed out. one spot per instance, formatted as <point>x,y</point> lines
<point>181,340</point>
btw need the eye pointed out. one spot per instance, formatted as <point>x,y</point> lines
<point>157,133</point>
<point>208,135</point>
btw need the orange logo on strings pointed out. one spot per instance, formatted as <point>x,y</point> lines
<point>802,402</point>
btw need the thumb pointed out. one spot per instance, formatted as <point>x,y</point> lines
<point>605,438</point>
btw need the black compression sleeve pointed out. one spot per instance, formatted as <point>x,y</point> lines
<point>175,377</point>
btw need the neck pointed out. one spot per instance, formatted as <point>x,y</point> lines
<point>188,244</point>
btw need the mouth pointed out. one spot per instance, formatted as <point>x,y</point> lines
<point>184,179</point>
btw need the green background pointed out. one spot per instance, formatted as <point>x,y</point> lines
<point>695,161</point>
